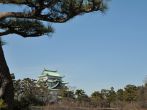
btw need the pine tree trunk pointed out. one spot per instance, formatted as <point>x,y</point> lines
<point>6,83</point>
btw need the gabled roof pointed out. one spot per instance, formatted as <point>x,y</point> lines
<point>47,72</point>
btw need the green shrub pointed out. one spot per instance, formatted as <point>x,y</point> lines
<point>2,104</point>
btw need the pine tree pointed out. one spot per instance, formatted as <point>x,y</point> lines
<point>30,23</point>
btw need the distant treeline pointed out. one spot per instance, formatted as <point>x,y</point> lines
<point>27,92</point>
<point>109,98</point>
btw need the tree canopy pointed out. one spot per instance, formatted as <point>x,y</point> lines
<point>30,23</point>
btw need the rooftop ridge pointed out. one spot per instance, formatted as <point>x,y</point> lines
<point>53,73</point>
<point>50,70</point>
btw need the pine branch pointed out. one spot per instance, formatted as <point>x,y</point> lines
<point>57,11</point>
<point>24,27</point>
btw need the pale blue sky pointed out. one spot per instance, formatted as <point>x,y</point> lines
<point>93,51</point>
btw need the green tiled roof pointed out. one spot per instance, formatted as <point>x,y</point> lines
<point>50,73</point>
